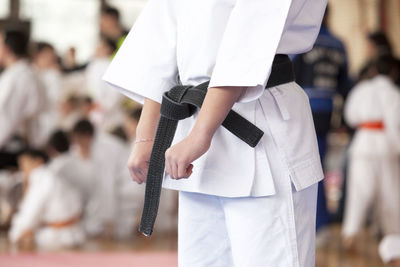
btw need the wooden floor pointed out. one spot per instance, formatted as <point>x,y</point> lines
<point>331,254</point>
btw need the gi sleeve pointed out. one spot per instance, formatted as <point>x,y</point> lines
<point>249,45</point>
<point>145,65</point>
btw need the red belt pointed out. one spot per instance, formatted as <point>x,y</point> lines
<point>63,224</point>
<point>372,125</point>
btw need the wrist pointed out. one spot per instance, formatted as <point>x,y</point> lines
<point>144,140</point>
<point>203,136</point>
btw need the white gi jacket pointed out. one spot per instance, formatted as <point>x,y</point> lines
<point>48,120</point>
<point>110,101</point>
<point>48,200</point>
<point>76,172</point>
<point>381,93</point>
<point>233,43</point>
<point>22,98</point>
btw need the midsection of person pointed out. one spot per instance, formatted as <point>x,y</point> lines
<point>203,40</point>
<point>368,105</point>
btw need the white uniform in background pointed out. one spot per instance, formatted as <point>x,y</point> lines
<point>52,81</point>
<point>22,99</point>
<point>110,101</point>
<point>233,43</point>
<point>76,172</point>
<point>389,248</point>
<point>374,177</point>
<point>49,201</point>
<point>107,158</point>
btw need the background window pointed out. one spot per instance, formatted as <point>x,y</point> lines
<point>4,9</point>
<point>64,23</point>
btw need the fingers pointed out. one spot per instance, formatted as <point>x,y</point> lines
<point>138,171</point>
<point>184,170</point>
<point>177,166</point>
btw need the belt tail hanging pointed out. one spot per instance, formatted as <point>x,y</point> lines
<point>165,133</point>
<point>171,112</point>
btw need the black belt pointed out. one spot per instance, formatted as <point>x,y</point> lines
<point>182,102</point>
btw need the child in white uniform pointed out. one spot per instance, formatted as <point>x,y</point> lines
<point>50,210</point>
<point>373,107</point>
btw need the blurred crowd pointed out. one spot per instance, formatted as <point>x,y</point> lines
<point>366,109</point>
<point>65,138</point>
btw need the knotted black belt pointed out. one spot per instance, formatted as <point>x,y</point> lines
<point>182,102</point>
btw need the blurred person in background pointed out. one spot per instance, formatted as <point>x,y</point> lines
<point>46,61</point>
<point>50,212</point>
<point>70,112</point>
<point>108,112</point>
<point>111,27</point>
<point>22,98</point>
<point>378,45</point>
<point>74,171</point>
<point>323,74</point>
<point>106,154</point>
<point>373,108</point>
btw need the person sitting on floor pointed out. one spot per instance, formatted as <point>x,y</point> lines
<point>50,212</point>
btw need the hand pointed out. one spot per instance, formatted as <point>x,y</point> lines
<point>179,157</point>
<point>138,162</point>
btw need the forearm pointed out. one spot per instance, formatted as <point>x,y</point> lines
<point>216,106</point>
<point>149,118</point>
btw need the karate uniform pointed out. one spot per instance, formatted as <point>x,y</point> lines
<point>76,172</point>
<point>109,102</point>
<point>52,82</point>
<point>107,161</point>
<point>373,177</point>
<point>233,43</point>
<point>22,99</point>
<point>48,200</point>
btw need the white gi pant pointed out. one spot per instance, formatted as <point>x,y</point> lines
<point>373,182</point>
<point>276,231</point>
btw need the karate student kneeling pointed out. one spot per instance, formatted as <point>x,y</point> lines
<point>50,211</point>
<point>239,206</point>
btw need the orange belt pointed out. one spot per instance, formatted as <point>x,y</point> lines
<point>63,224</point>
<point>372,125</point>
